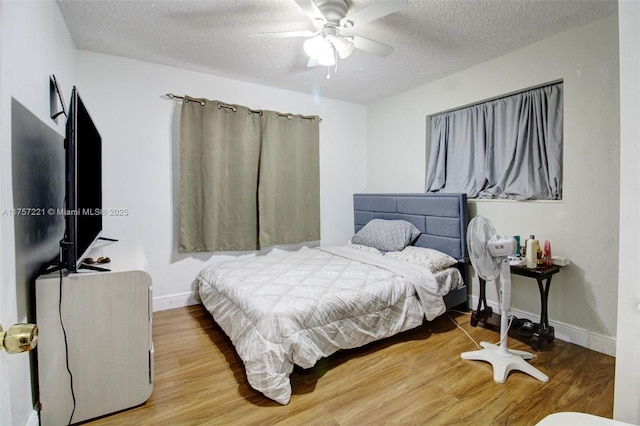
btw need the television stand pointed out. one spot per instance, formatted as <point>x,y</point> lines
<point>52,267</point>
<point>93,267</point>
<point>56,266</point>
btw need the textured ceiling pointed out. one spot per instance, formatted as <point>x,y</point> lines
<point>432,38</point>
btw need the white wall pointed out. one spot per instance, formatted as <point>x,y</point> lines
<point>140,128</point>
<point>35,44</point>
<point>584,225</point>
<point>626,407</point>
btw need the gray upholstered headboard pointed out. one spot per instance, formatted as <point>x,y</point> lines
<point>442,218</point>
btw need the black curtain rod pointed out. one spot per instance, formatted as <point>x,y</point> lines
<point>234,108</point>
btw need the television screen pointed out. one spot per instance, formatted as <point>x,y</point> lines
<point>83,171</point>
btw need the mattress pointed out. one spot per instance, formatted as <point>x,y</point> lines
<point>448,279</point>
<point>289,308</point>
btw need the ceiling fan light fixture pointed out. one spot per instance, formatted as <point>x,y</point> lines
<point>327,57</point>
<point>343,46</point>
<point>314,47</point>
<point>332,17</point>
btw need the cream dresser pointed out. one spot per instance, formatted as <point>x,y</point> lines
<point>107,317</point>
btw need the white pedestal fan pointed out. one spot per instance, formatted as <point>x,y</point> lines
<point>489,256</point>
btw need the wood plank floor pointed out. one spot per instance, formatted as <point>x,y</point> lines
<point>416,378</point>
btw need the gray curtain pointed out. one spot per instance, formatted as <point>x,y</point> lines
<point>248,179</point>
<point>506,148</point>
<point>219,158</point>
<point>289,189</point>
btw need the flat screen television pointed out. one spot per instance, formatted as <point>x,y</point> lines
<point>83,181</point>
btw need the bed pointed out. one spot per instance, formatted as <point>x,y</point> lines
<point>291,308</point>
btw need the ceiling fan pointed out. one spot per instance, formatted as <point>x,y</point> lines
<point>333,24</point>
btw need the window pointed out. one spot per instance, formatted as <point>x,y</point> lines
<point>248,179</point>
<point>508,148</point>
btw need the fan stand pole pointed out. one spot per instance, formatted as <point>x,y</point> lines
<point>503,359</point>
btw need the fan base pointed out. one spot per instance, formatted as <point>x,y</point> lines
<point>504,362</point>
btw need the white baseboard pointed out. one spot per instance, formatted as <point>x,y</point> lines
<point>171,301</point>
<point>602,344</point>
<point>567,332</point>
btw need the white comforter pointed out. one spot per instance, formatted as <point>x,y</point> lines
<point>291,308</point>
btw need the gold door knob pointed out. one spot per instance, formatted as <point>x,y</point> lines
<point>19,338</point>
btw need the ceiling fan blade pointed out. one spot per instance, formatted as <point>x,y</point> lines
<point>370,46</point>
<point>313,62</point>
<point>312,11</point>
<point>377,10</point>
<point>284,34</point>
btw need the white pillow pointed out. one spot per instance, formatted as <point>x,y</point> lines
<point>434,260</point>
<point>363,248</point>
<point>386,235</point>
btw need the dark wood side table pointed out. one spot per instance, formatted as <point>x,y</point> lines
<point>544,333</point>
